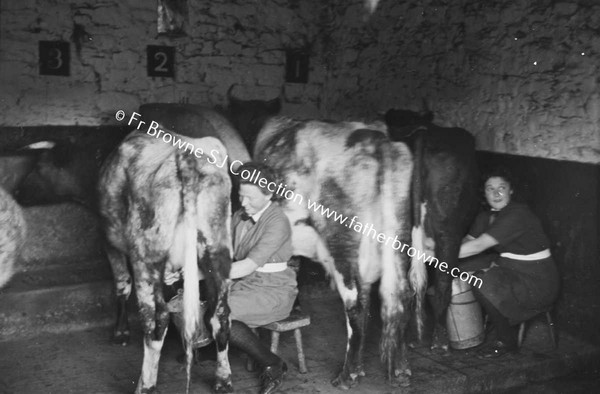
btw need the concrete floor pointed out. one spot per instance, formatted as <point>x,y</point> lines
<point>86,362</point>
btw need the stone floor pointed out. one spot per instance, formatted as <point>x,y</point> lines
<point>85,361</point>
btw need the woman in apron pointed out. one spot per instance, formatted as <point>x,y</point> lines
<point>264,288</point>
<point>523,280</point>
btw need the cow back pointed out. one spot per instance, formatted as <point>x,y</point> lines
<point>142,178</point>
<point>197,121</point>
<point>350,168</point>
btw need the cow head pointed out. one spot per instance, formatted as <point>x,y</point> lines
<point>248,116</point>
<point>402,123</point>
<point>56,172</point>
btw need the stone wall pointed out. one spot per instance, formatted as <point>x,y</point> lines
<point>227,42</point>
<point>522,76</point>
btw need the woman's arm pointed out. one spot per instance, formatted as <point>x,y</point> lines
<point>477,245</point>
<point>242,268</point>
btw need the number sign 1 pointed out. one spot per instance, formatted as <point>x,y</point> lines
<point>161,61</point>
<point>296,66</point>
<point>54,58</point>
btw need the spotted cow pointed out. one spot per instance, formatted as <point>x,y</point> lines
<point>197,121</point>
<point>164,209</point>
<point>444,197</point>
<point>353,169</point>
<point>12,235</point>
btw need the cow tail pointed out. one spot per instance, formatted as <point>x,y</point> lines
<point>418,270</point>
<point>188,175</point>
<point>390,225</point>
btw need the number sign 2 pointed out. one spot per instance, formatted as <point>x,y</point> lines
<point>54,58</point>
<point>296,66</point>
<point>161,61</point>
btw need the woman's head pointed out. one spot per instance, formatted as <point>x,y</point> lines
<point>498,188</point>
<point>257,183</point>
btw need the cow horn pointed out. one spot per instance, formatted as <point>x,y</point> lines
<point>229,91</point>
<point>40,145</point>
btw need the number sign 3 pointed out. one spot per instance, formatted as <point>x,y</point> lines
<point>161,61</point>
<point>54,58</point>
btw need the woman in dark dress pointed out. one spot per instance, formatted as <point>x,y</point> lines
<point>520,279</point>
<point>265,287</point>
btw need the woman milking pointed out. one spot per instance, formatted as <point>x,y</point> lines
<point>510,252</point>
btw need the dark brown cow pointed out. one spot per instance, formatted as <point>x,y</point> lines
<point>444,197</point>
<point>347,174</point>
<point>248,116</point>
<point>165,208</point>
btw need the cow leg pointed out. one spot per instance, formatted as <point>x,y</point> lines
<point>445,248</point>
<point>441,299</point>
<point>356,302</point>
<point>395,293</point>
<point>155,321</point>
<point>152,348</point>
<point>221,325</point>
<point>122,279</point>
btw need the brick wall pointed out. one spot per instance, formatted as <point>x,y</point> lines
<point>522,76</point>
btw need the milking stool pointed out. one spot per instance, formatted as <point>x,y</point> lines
<point>550,329</point>
<point>294,321</point>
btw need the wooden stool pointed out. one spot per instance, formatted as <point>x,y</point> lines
<point>295,321</point>
<point>550,330</point>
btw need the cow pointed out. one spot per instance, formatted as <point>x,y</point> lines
<point>444,197</point>
<point>186,120</point>
<point>195,121</point>
<point>164,209</point>
<point>352,168</point>
<point>12,235</point>
<point>248,116</point>
<point>49,172</point>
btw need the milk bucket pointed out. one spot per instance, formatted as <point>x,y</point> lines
<point>464,319</point>
<point>175,306</point>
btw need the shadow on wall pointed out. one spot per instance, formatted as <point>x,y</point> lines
<point>565,196</point>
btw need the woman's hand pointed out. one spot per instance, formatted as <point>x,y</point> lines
<point>242,268</point>
<point>477,245</point>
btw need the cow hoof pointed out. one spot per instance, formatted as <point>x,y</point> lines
<point>413,344</point>
<point>121,338</point>
<point>402,378</point>
<point>440,348</point>
<point>224,386</point>
<point>346,382</point>
<point>148,390</point>
<point>440,343</point>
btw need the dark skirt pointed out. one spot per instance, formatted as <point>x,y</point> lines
<point>519,289</point>
<point>263,297</point>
